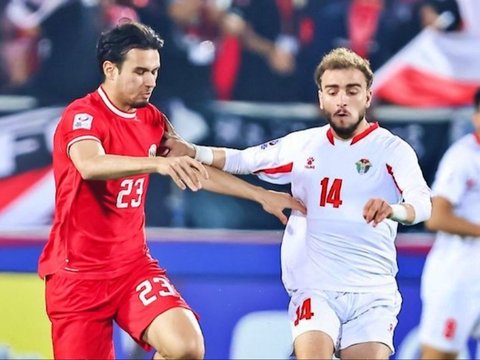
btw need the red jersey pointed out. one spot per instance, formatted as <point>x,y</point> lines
<point>98,229</point>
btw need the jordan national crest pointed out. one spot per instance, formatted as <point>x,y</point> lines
<point>363,165</point>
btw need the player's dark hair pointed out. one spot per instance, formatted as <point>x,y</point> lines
<point>115,43</point>
<point>342,58</point>
<point>476,100</point>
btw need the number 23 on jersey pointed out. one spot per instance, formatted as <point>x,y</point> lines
<point>131,193</point>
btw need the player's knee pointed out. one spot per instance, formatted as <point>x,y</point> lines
<point>185,348</point>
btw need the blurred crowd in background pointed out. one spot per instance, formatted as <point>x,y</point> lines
<point>260,54</point>
<point>262,50</point>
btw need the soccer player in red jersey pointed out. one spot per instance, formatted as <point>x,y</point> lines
<point>96,264</point>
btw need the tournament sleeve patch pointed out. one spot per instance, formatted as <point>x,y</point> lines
<point>82,121</point>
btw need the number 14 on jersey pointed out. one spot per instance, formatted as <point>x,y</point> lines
<point>331,192</point>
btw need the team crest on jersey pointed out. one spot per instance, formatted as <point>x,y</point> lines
<point>310,163</point>
<point>363,165</point>
<point>152,150</point>
<point>267,144</point>
<point>82,121</point>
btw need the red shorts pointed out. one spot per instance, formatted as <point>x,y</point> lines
<point>82,311</point>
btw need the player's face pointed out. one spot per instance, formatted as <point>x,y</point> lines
<point>137,77</point>
<point>344,99</point>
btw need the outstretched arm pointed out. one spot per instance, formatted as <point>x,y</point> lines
<point>92,163</point>
<point>272,202</point>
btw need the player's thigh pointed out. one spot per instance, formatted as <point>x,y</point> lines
<point>368,350</point>
<point>372,324</point>
<point>82,322</point>
<point>315,325</point>
<point>448,319</point>
<point>176,334</point>
<point>152,310</point>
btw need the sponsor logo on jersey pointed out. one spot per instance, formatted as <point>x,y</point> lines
<point>363,165</point>
<point>310,163</point>
<point>267,144</point>
<point>82,121</point>
<point>152,150</point>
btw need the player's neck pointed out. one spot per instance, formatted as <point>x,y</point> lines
<point>115,99</point>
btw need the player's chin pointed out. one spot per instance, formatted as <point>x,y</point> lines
<point>140,104</point>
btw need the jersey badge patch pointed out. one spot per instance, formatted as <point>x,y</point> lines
<point>310,164</point>
<point>152,150</point>
<point>267,144</point>
<point>363,165</point>
<point>82,121</point>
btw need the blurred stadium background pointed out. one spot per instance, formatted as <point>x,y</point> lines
<point>234,73</point>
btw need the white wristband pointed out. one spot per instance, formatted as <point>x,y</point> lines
<point>399,213</point>
<point>204,154</point>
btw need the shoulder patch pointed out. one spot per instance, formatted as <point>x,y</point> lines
<point>82,121</point>
<point>268,144</point>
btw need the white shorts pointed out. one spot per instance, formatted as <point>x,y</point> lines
<point>348,318</point>
<point>448,319</point>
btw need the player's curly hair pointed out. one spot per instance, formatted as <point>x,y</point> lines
<point>115,43</point>
<point>342,58</point>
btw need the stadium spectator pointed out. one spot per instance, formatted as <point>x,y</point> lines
<point>450,287</point>
<point>96,264</point>
<point>273,36</point>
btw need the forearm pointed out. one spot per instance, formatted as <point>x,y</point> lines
<point>454,225</point>
<point>229,160</point>
<point>257,44</point>
<point>104,167</point>
<point>226,184</point>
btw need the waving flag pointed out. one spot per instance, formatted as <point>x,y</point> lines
<point>435,69</point>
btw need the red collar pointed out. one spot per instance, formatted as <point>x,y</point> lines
<point>358,137</point>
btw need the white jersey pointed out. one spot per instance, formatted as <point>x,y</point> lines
<point>333,248</point>
<point>454,257</point>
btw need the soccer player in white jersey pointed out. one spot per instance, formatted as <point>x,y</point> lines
<point>357,181</point>
<point>451,277</point>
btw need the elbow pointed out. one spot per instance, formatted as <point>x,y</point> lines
<point>86,171</point>
<point>86,174</point>
<point>433,224</point>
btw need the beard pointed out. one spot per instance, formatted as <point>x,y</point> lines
<point>139,104</point>
<point>345,132</point>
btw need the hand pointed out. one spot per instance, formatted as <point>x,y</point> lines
<point>275,202</point>
<point>281,61</point>
<point>185,171</point>
<point>376,210</point>
<point>173,144</point>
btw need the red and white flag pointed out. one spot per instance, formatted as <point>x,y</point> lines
<point>435,69</point>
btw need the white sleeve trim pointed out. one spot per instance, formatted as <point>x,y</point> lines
<point>80,138</point>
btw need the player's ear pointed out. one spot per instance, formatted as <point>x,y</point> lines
<point>320,99</point>
<point>369,97</point>
<point>109,70</point>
